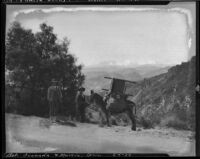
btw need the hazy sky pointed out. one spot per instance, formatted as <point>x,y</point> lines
<point>122,35</point>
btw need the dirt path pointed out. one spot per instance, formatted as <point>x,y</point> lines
<point>34,134</point>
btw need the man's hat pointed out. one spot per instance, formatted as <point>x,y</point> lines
<point>81,89</point>
<point>92,91</point>
<point>53,81</point>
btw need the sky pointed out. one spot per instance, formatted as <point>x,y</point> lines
<point>117,35</point>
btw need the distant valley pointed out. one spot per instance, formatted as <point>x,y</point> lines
<point>95,75</point>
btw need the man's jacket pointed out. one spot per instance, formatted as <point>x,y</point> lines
<point>80,99</point>
<point>54,93</point>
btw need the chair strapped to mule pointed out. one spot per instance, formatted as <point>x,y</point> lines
<point>118,86</point>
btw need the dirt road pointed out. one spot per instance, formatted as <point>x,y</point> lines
<point>34,134</point>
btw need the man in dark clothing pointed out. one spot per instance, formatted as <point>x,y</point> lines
<point>106,96</point>
<point>54,97</point>
<point>80,105</point>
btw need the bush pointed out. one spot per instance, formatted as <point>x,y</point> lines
<point>11,102</point>
<point>174,122</point>
<point>122,119</point>
<point>177,124</point>
<point>146,123</point>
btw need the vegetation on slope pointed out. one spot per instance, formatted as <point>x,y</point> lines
<point>168,99</point>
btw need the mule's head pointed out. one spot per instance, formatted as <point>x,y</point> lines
<point>96,99</point>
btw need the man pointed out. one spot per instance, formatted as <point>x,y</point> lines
<point>54,97</point>
<point>106,97</point>
<point>80,105</point>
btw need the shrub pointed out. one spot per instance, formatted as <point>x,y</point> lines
<point>177,124</point>
<point>146,123</point>
<point>174,122</point>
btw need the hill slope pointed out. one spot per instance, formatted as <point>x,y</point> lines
<point>147,71</point>
<point>168,99</point>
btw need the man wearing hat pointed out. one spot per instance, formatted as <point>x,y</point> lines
<point>80,105</point>
<point>54,97</point>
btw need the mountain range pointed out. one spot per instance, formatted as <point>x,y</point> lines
<point>95,75</point>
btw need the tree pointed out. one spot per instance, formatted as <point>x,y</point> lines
<point>33,60</point>
<point>20,60</point>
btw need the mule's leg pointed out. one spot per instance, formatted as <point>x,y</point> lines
<point>132,117</point>
<point>107,113</point>
<point>104,115</point>
<point>101,118</point>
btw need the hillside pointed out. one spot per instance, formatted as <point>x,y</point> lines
<point>168,99</point>
<point>147,71</point>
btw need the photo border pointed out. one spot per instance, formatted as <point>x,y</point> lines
<point>4,3</point>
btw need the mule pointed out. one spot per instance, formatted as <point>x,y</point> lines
<point>110,108</point>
